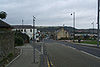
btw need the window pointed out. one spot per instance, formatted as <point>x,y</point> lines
<point>30,30</point>
<point>24,30</point>
<point>16,30</point>
<point>21,30</point>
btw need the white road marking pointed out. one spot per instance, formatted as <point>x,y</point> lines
<point>72,47</point>
<point>83,52</point>
<point>90,54</point>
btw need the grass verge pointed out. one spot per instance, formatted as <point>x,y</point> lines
<point>90,42</point>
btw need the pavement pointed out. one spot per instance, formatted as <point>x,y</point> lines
<point>64,56</point>
<point>26,58</point>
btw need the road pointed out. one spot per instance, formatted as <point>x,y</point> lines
<point>61,55</point>
<point>92,50</point>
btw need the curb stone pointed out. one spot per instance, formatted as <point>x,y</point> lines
<point>15,58</point>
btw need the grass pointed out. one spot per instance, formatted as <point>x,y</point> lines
<point>90,42</point>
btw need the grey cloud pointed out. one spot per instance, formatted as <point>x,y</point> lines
<point>50,12</point>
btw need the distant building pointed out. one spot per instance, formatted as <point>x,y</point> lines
<point>61,33</point>
<point>28,29</point>
<point>87,33</point>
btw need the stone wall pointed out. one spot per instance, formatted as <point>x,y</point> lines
<point>6,43</point>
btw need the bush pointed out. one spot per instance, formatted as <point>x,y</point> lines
<point>10,55</point>
<point>19,41</point>
<point>24,36</point>
<point>63,38</point>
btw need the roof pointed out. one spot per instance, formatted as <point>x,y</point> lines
<point>4,24</point>
<point>22,26</point>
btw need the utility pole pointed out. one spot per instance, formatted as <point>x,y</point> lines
<point>73,26</point>
<point>98,25</point>
<point>34,39</point>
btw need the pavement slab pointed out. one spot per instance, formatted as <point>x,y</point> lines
<point>26,58</point>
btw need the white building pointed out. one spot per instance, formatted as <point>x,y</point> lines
<point>28,29</point>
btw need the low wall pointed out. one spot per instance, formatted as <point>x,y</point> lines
<point>6,44</point>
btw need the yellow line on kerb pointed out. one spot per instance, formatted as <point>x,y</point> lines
<point>48,63</point>
<point>51,63</point>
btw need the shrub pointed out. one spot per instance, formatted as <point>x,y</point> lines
<point>18,41</point>
<point>24,36</point>
<point>10,55</point>
<point>63,38</point>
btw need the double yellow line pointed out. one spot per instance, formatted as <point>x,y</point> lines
<point>50,64</point>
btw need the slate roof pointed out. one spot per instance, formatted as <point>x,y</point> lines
<point>22,26</point>
<point>4,24</point>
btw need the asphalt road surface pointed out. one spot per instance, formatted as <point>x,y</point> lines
<point>92,50</point>
<point>64,56</point>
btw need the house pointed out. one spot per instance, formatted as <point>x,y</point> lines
<point>6,40</point>
<point>61,33</point>
<point>28,29</point>
<point>4,26</point>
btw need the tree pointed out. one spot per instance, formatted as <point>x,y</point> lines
<point>3,15</point>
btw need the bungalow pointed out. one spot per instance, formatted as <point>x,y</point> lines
<point>4,26</point>
<point>28,29</point>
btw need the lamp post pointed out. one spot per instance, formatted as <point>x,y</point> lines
<point>22,22</point>
<point>93,27</point>
<point>98,25</point>
<point>34,39</point>
<point>73,26</point>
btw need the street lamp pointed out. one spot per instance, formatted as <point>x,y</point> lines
<point>98,25</point>
<point>93,27</point>
<point>22,22</point>
<point>73,26</point>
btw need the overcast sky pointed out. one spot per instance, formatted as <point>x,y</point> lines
<point>51,12</point>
